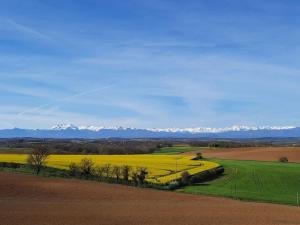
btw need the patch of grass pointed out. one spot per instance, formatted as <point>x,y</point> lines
<point>252,180</point>
<point>176,150</point>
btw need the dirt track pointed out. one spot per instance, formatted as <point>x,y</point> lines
<point>26,200</point>
<point>261,154</point>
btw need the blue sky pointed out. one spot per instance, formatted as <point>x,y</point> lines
<point>149,63</point>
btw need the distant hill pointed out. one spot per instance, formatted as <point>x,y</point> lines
<point>92,132</point>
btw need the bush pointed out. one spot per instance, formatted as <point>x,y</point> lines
<point>200,177</point>
<point>86,167</point>
<point>174,185</point>
<point>185,178</point>
<point>10,165</point>
<point>283,159</point>
<point>73,169</point>
<point>219,170</point>
<point>207,175</point>
<point>2,164</point>
<point>198,156</point>
<point>14,165</point>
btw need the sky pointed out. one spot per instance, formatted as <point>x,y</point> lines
<point>149,63</point>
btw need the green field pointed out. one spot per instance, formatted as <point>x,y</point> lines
<point>252,180</point>
<point>176,150</point>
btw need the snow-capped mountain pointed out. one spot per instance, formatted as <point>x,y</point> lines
<point>92,132</point>
<point>64,127</point>
<point>175,130</point>
<point>90,127</point>
<point>219,130</point>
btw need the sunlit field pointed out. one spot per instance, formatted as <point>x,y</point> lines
<point>254,180</point>
<point>162,168</point>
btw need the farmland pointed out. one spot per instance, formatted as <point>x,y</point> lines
<point>162,168</point>
<point>43,201</point>
<point>261,179</point>
<point>253,180</point>
<point>255,153</point>
<point>243,179</point>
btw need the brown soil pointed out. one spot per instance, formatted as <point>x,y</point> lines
<point>28,200</point>
<point>261,153</point>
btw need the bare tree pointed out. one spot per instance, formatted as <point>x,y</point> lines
<point>37,159</point>
<point>107,170</point>
<point>126,173</point>
<point>86,167</point>
<point>138,176</point>
<point>141,175</point>
<point>116,170</point>
<point>134,178</point>
<point>99,172</point>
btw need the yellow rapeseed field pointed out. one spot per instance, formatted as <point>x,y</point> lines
<point>162,168</point>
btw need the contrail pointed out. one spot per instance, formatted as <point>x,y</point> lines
<point>63,100</point>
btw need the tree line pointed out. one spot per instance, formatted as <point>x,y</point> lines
<point>110,173</point>
<point>128,146</point>
<point>78,146</point>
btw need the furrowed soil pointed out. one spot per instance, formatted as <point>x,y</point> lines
<point>29,200</point>
<point>259,154</point>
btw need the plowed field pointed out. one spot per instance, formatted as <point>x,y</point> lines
<point>28,200</point>
<point>260,154</point>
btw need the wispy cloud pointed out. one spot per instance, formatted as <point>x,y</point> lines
<point>10,24</point>
<point>65,99</point>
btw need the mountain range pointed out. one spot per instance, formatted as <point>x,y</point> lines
<point>94,132</point>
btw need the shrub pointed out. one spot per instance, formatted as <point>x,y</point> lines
<point>207,175</point>
<point>14,165</point>
<point>283,159</point>
<point>198,156</point>
<point>10,165</point>
<point>201,177</point>
<point>219,170</point>
<point>86,167</point>
<point>174,185</point>
<point>73,169</point>
<point>185,178</point>
<point>3,164</point>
